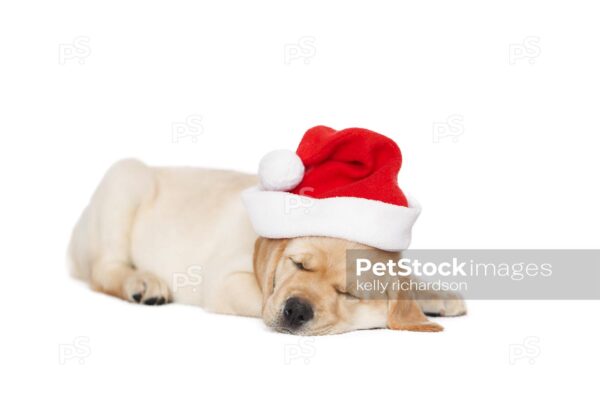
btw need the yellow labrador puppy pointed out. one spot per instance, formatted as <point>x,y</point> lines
<point>158,235</point>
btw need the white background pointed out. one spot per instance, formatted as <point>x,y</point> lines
<point>519,170</point>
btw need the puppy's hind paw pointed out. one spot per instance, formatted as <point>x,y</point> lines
<point>445,304</point>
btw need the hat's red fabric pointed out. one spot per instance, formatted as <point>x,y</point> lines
<point>352,162</point>
<point>351,176</point>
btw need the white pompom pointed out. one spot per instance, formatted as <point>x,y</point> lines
<point>280,170</point>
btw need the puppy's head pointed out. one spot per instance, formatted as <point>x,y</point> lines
<point>303,281</point>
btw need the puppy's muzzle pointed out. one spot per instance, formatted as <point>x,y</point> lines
<point>296,312</point>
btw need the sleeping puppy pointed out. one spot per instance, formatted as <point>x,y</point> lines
<point>159,235</point>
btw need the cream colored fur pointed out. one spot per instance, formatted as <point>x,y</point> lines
<point>156,235</point>
<point>152,226</point>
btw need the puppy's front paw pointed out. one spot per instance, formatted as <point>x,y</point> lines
<point>446,304</point>
<point>145,288</point>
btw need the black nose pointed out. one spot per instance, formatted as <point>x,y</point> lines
<point>297,312</point>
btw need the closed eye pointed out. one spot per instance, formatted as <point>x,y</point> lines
<point>346,294</point>
<point>298,265</point>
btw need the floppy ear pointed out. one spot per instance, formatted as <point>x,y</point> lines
<point>267,254</point>
<point>405,314</point>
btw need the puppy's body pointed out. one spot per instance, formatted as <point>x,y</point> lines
<point>181,232</point>
<point>152,235</point>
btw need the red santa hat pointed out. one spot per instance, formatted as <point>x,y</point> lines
<point>340,184</point>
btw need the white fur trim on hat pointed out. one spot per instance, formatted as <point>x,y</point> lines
<point>373,223</point>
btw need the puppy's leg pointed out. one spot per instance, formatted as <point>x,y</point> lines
<point>239,295</point>
<point>101,240</point>
<point>442,304</point>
